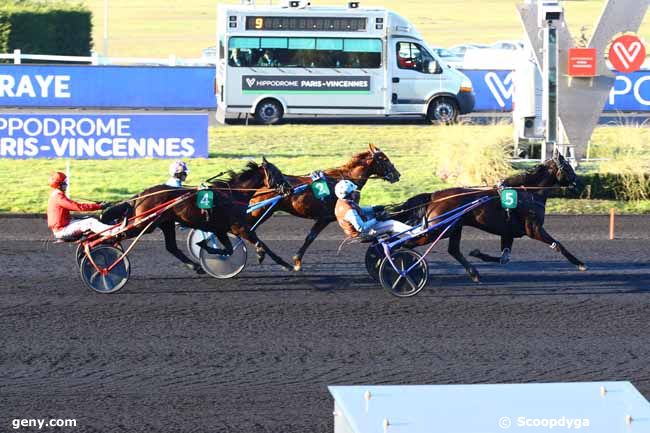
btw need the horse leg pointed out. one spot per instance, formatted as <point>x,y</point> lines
<point>225,241</point>
<point>454,250</point>
<point>506,251</point>
<point>318,227</point>
<point>277,259</point>
<point>169,231</point>
<point>259,250</point>
<point>540,234</point>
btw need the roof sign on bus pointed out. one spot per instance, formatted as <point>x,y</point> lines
<point>308,24</point>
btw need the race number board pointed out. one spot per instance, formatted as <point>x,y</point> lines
<point>320,189</point>
<point>509,198</point>
<point>205,199</point>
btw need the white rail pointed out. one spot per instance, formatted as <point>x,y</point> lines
<point>95,59</point>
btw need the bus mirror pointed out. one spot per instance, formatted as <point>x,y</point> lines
<point>432,67</point>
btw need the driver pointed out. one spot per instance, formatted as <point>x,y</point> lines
<point>178,171</point>
<point>355,220</point>
<point>59,207</point>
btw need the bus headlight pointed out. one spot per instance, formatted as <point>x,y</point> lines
<point>466,86</point>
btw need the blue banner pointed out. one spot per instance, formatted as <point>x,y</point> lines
<point>493,89</point>
<point>631,92</point>
<point>156,87</point>
<point>103,136</point>
<point>107,86</point>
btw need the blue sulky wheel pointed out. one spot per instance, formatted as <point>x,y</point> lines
<point>223,267</point>
<point>407,285</point>
<point>104,256</point>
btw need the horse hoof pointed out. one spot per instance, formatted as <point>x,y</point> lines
<point>199,270</point>
<point>261,255</point>
<point>475,253</point>
<point>582,267</point>
<point>297,264</point>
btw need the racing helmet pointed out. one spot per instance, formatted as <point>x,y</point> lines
<point>178,167</point>
<point>344,187</point>
<point>57,179</point>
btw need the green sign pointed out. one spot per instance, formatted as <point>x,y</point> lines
<point>509,198</point>
<point>320,189</point>
<point>205,199</point>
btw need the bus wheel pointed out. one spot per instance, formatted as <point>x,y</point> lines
<point>268,112</point>
<point>443,111</point>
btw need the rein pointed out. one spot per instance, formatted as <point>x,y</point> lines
<point>479,189</point>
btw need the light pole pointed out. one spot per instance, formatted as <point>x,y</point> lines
<point>105,28</point>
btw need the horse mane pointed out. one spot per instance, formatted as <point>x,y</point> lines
<point>245,175</point>
<point>353,162</point>
<point>526,177</point>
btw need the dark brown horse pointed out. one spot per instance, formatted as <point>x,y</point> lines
<point>372,163</point>
<point>232,197</point>
<point>526,220</point>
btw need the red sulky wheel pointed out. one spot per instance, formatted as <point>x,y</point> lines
<point>105,282</point>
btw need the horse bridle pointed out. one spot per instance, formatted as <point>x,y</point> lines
<point>384,166</point>
<point>562,165</point>
<point>283,184</point>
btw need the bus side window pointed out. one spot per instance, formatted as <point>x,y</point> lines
<point>412,56</point>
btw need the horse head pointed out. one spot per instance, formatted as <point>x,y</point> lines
<point>563,171</point>
<point>382,166</point>
<point>273,177</point>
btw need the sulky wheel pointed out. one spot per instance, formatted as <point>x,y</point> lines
<point>224,267</point>
<point>80,254</point>
<point>396,280</point>
<point>105,282</point>
<point>195,236</point>
<point>374,256</point>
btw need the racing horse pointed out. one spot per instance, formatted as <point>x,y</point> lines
<point>372,163</point>
<point>527,219</point>
<point>228,214</point>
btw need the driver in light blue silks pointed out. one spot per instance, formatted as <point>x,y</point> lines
<point>178,171</point>
<point>357,221</point>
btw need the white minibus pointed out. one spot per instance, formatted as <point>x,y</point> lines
<point>293,59</point>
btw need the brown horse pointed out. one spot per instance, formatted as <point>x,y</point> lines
<point>232,197</point>
<point>363,166</point>
<point>527,219</point>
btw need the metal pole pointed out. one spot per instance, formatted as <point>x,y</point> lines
<point>105,28</point>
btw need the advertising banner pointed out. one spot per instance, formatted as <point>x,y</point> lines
<point>85,86</point>
<point>105,136</point>
<point>494,90</point>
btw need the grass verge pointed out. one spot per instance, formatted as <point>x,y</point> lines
<point>429,158</point>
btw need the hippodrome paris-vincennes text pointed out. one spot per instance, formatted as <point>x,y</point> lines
<point>85,137</point>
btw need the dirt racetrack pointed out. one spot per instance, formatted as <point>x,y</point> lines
<point>177,352</point>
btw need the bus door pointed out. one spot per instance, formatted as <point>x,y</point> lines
<point>414,78</point>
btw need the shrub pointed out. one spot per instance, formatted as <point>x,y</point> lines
<point>58,28</point>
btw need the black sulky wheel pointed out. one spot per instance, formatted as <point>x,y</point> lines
<point>104,256</point>
<point>374,256</point>
<point>224,267</point>
<point>404,286</point>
